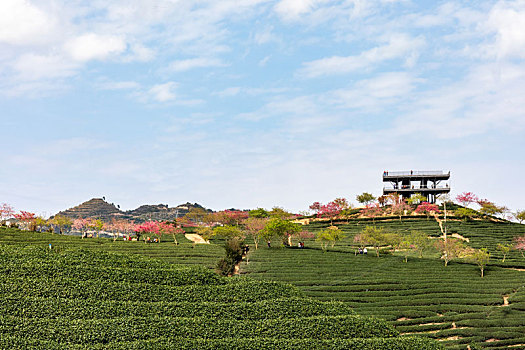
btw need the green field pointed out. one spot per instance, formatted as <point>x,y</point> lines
<point>100,294</point>
<point>452,304</point>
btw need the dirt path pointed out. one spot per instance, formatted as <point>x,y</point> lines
<point>195,238</point>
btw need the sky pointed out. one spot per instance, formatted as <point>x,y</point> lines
<point>257,103</point>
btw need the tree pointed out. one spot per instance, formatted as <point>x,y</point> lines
<point>166,228</point>
<point>466,198</point>
<point>233,247</point>
<point>419,242</point>
<point>229,232</point>
<point>504,249</point>
<point>40,223</point>
<point>394,240</point>
<point>374,236</point>
<point>330,210</point>
<point>231,217</point>
<point>254,227</point>
<point>400,208</point>
<point>330,235</point>
<point>417,198</point>
<point>206,232</point>
<point>466,213</point>
<point>277,227</point>
<point>342,203</point>
<point>489,208</point>
<point>519,215</point>
<point>6,211</point>
<point>97,225</point>
<point>148,227</point>
<point>451,249</point>
<point>278,212</point>
<point>27,218</point>
<point>62,222</point>
<point>480,257</point>
<point>82,225</point>
<point>316,206</point>
<point>365,198</point>
<point>519,244</point>
<point>196,215</point>
<point>427,208</point>
<point>259,213</point>
<point>372,211</point>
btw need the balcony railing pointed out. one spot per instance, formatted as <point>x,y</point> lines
<point>415,188</point>
<point>416,173</point>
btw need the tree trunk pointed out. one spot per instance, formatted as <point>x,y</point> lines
<point>482,272</point>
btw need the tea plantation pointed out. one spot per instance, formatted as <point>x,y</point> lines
<point>452,304</point>
<point>80,294</point>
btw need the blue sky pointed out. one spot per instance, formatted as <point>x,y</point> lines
<point>256,103</point>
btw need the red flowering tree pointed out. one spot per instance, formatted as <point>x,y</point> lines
<point>27,218</point>
<point>316,206</point>
<point>427,209</point>
<point>330,210</point>
<point>466,198</point>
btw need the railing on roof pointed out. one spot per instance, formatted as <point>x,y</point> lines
<point>407,173</point>
<point>415,187</point>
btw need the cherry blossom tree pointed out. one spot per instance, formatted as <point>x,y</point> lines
<point>82,225</point>
<point>166,228</point>
<point>467,198</point>
<point>254,227</point>
<point>148,227</point>
<point>519,244</point>
<point>427,209</point>
<point>316,206</point>
<point>400,208</point>
<point>372,211</point>
<point>6,211</point>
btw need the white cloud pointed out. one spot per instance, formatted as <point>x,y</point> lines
<point>22,23</point>
<point>292,9</point>
<point>163,92</point>
<point>119,85</point>
<point>508,20</point>
<point>191,63</point>
<point>93,46</point>
<point>36,67</point>
<point>228,92</point>
<point>398,46</point>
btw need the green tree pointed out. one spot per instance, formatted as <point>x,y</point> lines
<point>466,213</point>
<point>229,232</point>
<point>374,236</point>
<point>330,235</point>
<point>519,215</point>
<point>416,198</point>
<point>62,222</point>
<point>280,213</point>
<point>480,257</point>
<point>259,213</point>
<point>280,228</point>
<point>504,249</point>
<point>365,198</point>
<point>419,242</point>
<point>197,215</point>
<point>226,266</point>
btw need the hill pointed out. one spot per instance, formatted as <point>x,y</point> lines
<point>76,298</point>
<point>98,208</point>
<point>452,304</point>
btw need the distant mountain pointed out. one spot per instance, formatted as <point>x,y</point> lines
<point>98,208</point>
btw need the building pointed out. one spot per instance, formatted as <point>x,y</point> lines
<point>407,183</point>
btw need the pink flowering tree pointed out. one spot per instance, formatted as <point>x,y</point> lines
<point>316,206</point>
<point>6,211</point>
<point>82,225</point>
<point>166,228</point>
<point>519,244</point>
<point>148,227</point>
<point>372,211</point>
<point>427,209</point>
<point>467,198</point>
<point>400,208</point>
<point>330,210</point>
<point>254,227</point>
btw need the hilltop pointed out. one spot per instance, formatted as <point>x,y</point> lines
<point>98,208</point>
